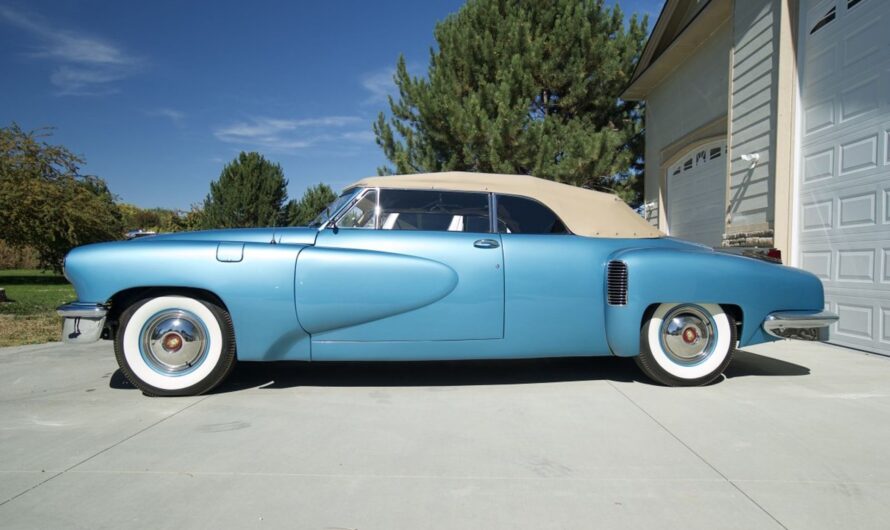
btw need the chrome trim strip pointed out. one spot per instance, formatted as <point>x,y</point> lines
<point>807,325</point>
<point>492,213</point>
<point>335,218</point>
<point>82,310</point>
<point>377,212</point>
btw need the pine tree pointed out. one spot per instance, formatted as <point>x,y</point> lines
<point>250,192</point>
<point>314,200</point>
<point>522,86</point>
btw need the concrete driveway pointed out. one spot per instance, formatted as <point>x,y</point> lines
<point>797,436</point>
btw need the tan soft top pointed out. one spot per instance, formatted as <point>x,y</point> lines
<point>585,212</point>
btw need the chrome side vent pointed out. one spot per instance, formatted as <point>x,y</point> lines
<point>616,283</point>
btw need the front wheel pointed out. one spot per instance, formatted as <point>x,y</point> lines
<point>686,344</point>
<point>175,345</point>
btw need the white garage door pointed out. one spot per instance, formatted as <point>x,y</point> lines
<point>844,197</point>
<point>696,195</point>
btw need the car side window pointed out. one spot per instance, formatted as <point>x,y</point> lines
<point>362,214</point>
<point>449,211</point>
<point>517,215</point>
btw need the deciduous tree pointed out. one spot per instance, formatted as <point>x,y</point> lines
<point>46,203</point>
<point>152,219</point>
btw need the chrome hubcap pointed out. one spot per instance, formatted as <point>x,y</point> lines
<point>173,341</point>
<point>687,334</point>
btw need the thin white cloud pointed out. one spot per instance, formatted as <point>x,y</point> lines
<point>358,136</point>
<point>74,81</point>
<point>379,85</point>
<point>175,116</point>
<point>85,65</point>
<point>288,135</point>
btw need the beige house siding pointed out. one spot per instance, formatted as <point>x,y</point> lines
<point>692,97</point>
<point>750,201</point>
<point>743,73</point>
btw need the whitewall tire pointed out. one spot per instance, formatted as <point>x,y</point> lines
<point>687,344</point>
<point>175,345</point>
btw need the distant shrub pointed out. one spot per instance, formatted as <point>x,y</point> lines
<point>18,258</point>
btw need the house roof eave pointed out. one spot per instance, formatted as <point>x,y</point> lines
<point>651,72</point>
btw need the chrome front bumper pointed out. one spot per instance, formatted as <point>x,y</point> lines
<point>800,325</point>
<point>83,322</point>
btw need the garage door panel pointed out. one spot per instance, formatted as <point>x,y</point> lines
<point>844,187</point>
<point>856,265</point>
<point>824,132</point>
<point>856,242</point>
<point>864,41</point>
<point>856,321</point>
<point>857,210</point>
<point>818,262</point>
<point>818,164</point>
<point>858,154</point>
<point>819,65</point>
<point>696,192</point>
<point>861,198</point>
<point>886,206</point>
<point>861,98</point>
<point>884,321</point>
<point>818,215</point>
<point>819,116</point>
<point>885,265</point>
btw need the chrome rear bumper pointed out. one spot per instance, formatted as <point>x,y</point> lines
<point>83,322</point>
<point>800,325</point>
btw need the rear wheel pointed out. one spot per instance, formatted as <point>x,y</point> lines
<point>687,344</point>
<point>175,345</point>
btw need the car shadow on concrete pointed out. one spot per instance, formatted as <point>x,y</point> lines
<point>280,375</point>
<point>751,364</point>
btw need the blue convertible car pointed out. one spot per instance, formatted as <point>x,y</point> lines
<point>431,267</point>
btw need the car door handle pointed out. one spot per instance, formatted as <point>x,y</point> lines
<point>486,243</point>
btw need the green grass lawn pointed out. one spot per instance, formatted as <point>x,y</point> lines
<point>29,317</point>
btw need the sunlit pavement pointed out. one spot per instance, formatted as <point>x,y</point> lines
<point>796,436</point>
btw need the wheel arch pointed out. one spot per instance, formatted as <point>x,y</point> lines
<point>121,300</point>
<point>738,316</point>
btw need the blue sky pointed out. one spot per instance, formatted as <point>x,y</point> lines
<point>158,96</point>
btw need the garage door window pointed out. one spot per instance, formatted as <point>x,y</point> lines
<point>697,159</point>
<point>824,21</point>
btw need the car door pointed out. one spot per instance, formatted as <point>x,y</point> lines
<point>405,265</point>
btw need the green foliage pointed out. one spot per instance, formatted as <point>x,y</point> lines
<point>316,199</point>
<point>152,219</point>
<point>45,203</point>
<point>194,218</point>
<point>18,257</point>
<point>520,86</point>
<point>250,192</point>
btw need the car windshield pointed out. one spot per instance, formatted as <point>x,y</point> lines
<point>326,214</point>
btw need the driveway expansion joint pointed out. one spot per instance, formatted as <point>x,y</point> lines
<point>110,447</point>
<point>697,455</point>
